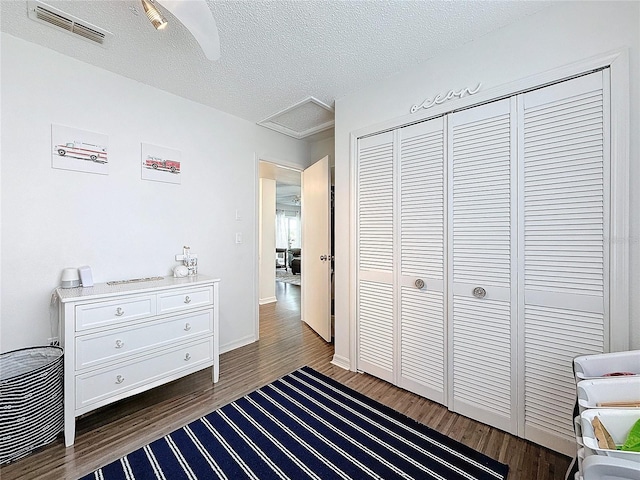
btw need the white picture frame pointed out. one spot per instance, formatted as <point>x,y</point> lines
<point>79,150</point>
<point>161,164</point>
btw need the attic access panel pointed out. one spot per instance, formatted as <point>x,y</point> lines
<point>302,119</point>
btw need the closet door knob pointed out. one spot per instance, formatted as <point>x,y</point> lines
<point>419,283</point>
<point>479,292</point>
<point>323,257</point>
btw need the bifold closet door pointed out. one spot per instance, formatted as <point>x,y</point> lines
<point>375,255</point>
<point>482,306</point>
<point>564,169</point>
<point>421,325</point>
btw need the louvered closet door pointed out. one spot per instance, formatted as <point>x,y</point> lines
<point>482,248</point>
<point>375,255</point>
<point>565,175</point>
<point>421,231</point>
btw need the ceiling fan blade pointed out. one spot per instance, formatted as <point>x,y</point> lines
<point>197,17</point>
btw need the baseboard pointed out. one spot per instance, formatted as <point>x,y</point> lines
<point>342,362</point>
<point>264,301</point>
<point>237,344</point>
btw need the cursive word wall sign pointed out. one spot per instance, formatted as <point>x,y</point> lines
<point>441,98</point>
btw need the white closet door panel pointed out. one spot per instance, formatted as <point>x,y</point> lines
<point>482,360</point>
<point>422,200</point>
<point>375,329</point>
<point>422,365</point>
<point>565,203</point>
<point>481,149</point>
<point>375,255</point>
<point>555,192</point>
<point>480,154</point>
<point>375,203</point>
<point>421,230</point>
<point>553,338</point>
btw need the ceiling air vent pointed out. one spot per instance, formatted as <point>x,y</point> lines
<point>43,13</point>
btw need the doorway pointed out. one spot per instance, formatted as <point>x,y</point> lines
<point>282,242</point>
<point>289,233</point>
<point>280,235</point>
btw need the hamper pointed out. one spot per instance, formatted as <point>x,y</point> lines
<point>31,400</point>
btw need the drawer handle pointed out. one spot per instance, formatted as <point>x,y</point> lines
<point>187,327</point>
<point>479,292</point>
<point>119,312</point>
<point>187,357</point>
<point>187,299</point>
<point>119,379</point>
<point>119,344</point>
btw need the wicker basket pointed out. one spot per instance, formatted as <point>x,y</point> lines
<point>31,400</point>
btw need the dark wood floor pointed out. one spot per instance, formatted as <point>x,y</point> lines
<point>285,345</point>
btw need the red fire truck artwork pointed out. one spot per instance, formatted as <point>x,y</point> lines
<point>163,165</point>
<point>83,151</point>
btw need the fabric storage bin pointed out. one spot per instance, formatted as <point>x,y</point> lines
<point>603,364</point>
<point>592,393</point>
<point>31,400</point>
<point>618,423</point>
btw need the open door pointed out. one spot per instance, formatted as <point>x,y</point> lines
<point>316,248</point>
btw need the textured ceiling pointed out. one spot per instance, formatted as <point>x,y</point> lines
<point>274,54</point>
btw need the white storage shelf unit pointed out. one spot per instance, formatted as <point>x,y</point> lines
<point>123,339</point>
<point>597,383</point>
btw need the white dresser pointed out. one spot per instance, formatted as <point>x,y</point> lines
<point>120,340</point>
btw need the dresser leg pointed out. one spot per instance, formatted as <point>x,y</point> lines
<point>66,315</point>
<point>69,431</point>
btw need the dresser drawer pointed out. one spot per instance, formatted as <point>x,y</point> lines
<point>93,315</point>
<point>176,300</point>
<point>119,381</point>
<point>96,349</point>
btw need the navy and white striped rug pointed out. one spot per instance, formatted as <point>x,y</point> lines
<point>304,426</point>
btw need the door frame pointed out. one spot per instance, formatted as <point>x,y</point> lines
<point>256,253</point>
<point>618,63</point>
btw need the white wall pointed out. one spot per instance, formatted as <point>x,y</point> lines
<point>557,36</point>
<point>120,225</point>
<point>267,243</point>
<point>321,148</point>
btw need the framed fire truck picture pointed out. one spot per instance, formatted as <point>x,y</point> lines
<point>160,164</point>
<point>79,150</point>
